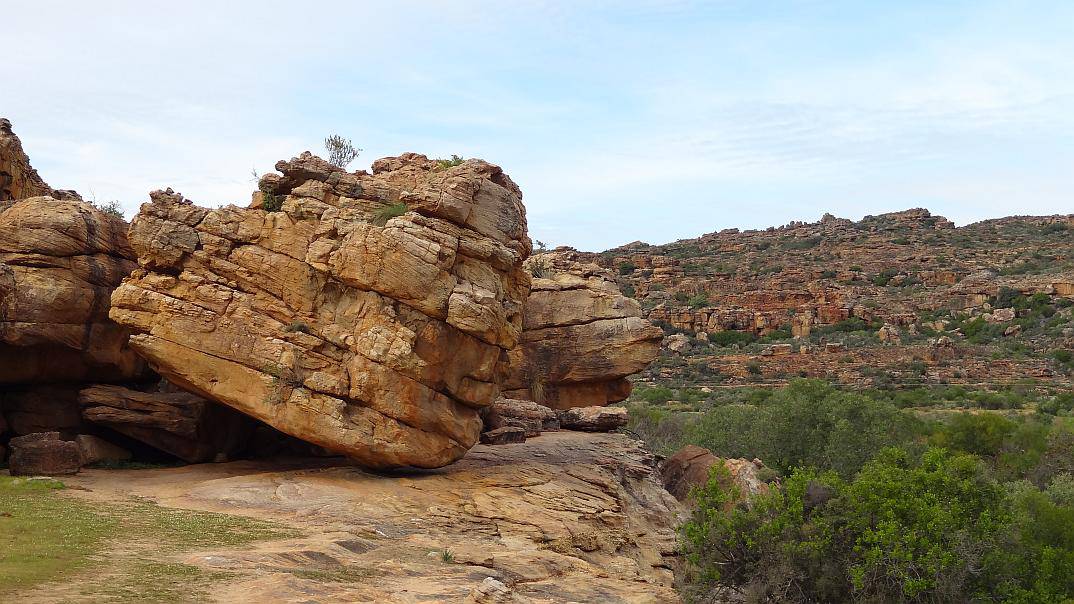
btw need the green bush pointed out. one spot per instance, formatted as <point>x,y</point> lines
<point>626,268</point>
<point>730,337</point>
<point>934,528</point>
<point>808,423</point>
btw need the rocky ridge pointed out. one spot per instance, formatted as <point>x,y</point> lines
<point>885,299</point>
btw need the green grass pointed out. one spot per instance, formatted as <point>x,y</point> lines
<point>43,535</point>
<point>383,215</point>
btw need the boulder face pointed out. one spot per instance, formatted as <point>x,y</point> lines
<point>59,262</point>
<point>691,467</point>
<point>581,338</point>
<point>371,314</point>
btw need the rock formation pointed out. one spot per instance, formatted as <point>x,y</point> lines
<point>565,517</point>
<point>59,262</point>
<point>691,467</point>
<point>18,180</point>
<point>528,415</point>
<point>179,423</point>
<point>43,454</point>
<point>581,339</point>
<point>371,314</point>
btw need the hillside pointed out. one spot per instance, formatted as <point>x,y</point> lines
<point>902,299</point>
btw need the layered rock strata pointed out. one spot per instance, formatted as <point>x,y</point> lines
<point>371,314</point>
<point>59,262</point>
<point>582,337</point>
<point>178,423</point>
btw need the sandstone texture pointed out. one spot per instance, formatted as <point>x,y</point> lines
<point>371,314</point>
<point>94,449</point>
<point>594,419</point>
<point>178,423</point>
<point>533,418</point>
<point>564,517</point>
<point>582,337</point>
<point>691,467</point>
<point>59,262</point>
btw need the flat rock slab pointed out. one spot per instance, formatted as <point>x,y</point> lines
<point>563,517</point>
<point>594,419</point>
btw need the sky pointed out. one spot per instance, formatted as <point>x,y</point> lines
<point>620,121</point>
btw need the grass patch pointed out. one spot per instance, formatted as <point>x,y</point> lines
<point>383,215</point>
<point>44,535</point>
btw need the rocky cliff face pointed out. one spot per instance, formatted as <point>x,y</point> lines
<point>581,338</point>
<point>371,314</point>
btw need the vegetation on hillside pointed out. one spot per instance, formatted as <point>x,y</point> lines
<point>886,496</point>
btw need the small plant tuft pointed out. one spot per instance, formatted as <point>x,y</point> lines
<point>383,215</point>
<point>297,326</point>
<point>444,164</point>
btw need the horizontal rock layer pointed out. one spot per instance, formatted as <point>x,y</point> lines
<point>581,338</point>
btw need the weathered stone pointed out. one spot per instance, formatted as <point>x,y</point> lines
<point>43,454</point>
<point>94,449</point>
<point>178,423</point>
<point>565,517</point>
<point>531,417</point>
<point>378,342</point>
<point>59,262</point>
<point>692,467</point>
<point>582,337</point>
<point>594,419</point>
<point>504,436</point>
<point>18,179</point>
<point>31,409</point>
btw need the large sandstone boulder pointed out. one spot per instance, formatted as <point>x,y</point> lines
<point>59,262</point>
<point>178,423</point>
<point>582,337</point>
<point>691,467</point>
<point>335,319</point>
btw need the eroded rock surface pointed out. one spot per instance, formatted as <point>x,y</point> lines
<point>564,517</point>
<point>582,337</point>
<point>375,336</point>
<point>59,262</point>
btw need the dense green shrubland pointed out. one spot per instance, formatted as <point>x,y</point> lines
<point>881,503</point>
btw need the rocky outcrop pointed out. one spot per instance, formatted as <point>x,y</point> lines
<point>43,454</point>
<point>594,419</point>
<point>59,262</point>
<point>178,423</point>
<point>371,314</point>
<point>582,337</point>
<point>528,415</point>
<point>692,467</point>
<point>18,179</point>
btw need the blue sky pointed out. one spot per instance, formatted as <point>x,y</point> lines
<point>621,121</point>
